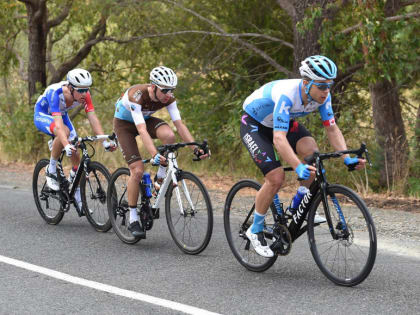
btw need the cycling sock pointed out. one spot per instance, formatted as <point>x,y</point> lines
<point>52,168</point>
<point>133,215</point>
<point>258,224</point>
<point>161,173</point>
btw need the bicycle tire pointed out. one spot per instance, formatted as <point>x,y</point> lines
<point>93,193</point>
<point>117,205</point>
<point>45,197</point>
<point>356,237</point>
<point>184,227</point>
<point>239,206</point>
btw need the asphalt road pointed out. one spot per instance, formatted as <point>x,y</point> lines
<point>123,277</point>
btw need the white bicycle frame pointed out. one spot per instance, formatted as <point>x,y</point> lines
<point>171,175</point>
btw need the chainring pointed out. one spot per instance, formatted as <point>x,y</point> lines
<point>282,244</point>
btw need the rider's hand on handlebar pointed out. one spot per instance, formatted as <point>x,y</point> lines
<point>304,171</point>
<point>70,149</point>
<point>201,154</point>
<point>158,159</point>
<point>354,163</point>
<point>109,146</point>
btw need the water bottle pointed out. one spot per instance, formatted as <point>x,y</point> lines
<point>302,190</point>
<point>147,182</point>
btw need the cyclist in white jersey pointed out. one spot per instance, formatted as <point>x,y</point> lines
<point>133,117</point>
<point>51,117</point>
<point>269,120</point>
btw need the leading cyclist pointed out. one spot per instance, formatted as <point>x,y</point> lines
<point>51,117</point>
<point>133,117</point>
<point>268,119</point>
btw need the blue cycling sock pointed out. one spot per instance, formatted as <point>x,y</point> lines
<point>258,224</point>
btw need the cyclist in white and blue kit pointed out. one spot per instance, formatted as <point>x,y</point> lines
<point>269,119</point>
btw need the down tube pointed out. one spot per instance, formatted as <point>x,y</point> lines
<point>300,215</point>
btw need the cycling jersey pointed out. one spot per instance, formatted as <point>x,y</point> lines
<point>52,103</point>
<point>143,106</point>
<point>275,103</point>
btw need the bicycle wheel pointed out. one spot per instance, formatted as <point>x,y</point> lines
<point>348,259</point>
<point>117,204</point>
<point>47,200</point>
<point>192,229</point>
<point>238,217</point>
<point>93,192</point>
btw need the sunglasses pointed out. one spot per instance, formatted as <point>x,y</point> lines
<point>81,91</point>
<point>323,86</point>
<point>165,91</point>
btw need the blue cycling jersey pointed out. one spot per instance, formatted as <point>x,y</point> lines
<point>275,103</point>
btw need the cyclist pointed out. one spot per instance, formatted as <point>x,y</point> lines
<point>51,117</point>
<point>269,119</point>
<point>133,117</point>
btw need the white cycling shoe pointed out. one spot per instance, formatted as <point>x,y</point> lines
<point>319,219</point>
<point>259,243</point>
<point>51,180</point>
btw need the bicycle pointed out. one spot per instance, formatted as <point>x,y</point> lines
<point>344,248</point>
<point>188,208</point>
<point>93,178</point>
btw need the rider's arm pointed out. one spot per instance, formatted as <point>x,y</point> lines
<point>183,131</point>
<point>95,123</point>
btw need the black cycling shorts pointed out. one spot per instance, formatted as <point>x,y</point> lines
<point>258,139</point>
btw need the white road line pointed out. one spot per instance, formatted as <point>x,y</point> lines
<point>105,288</point>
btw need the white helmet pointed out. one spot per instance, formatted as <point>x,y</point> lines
<point>318,68</point>
<point>163,76</point>
<point>79,78</point>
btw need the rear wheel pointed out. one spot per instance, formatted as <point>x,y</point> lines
<point>47,200</point>
<point>93,192</point>
<point>238,217</point>
<point>117,203</point>
<point>349,258</point>
<point>191,227</point>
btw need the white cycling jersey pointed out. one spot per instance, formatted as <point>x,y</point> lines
<point>275,103</point>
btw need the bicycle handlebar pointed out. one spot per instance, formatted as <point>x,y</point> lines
<point>93,138</point>
<point>165,149</point>
<point>325,156</point>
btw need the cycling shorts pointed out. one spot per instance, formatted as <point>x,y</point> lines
<point>45,123</point>
<point>258,139</point>
<point>127,132</point>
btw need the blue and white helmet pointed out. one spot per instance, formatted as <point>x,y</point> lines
<point>318,68</point>
<point>163,76</point>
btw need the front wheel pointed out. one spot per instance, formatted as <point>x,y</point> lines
<point>348,258</point>
<point>93,190</point>
<point>117,203</point>
<point>190,227</point>
<point>238,217</point>
<point>47,200</point>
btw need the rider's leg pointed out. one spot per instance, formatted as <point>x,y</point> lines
<point>305,147</point>
<point>273,181</point>
<point>164,133</point>
<point>133,188</point>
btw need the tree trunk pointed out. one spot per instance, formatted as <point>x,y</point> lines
<point>390,132</point>
<point>37,39</point>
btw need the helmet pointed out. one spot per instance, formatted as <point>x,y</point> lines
<point>318,68</point>
<point>79,78</point>
<point>163,76</point>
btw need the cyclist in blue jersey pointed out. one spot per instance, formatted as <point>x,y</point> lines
<point>51,117</point>
<point>269,119</point>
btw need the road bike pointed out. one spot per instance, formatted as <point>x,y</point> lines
<point>91,176</point>
<point>344,247</point>
<point>188,208</point>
